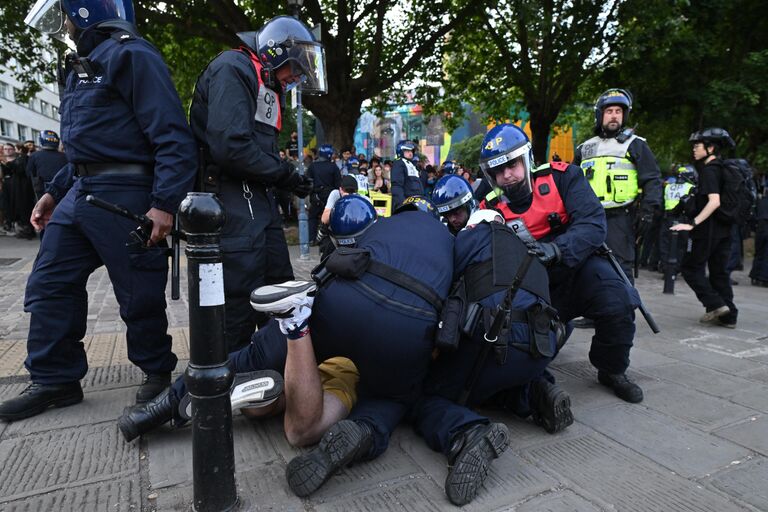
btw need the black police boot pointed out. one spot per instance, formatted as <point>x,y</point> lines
<point>551,406</point>
<point>622,386</point>
<point>345,442</point>
<point>140,419</point>
<point>469,458</point>
<point>153,384</point>
<point>38,397</point>
<point>583,323</point>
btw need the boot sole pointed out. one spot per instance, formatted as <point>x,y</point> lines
<point>557,414</point>
<point>338,447</point>
<point>470,469</point>
<point>57,403</point>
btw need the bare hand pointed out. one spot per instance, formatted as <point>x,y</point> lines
<point>162,222</point>
<point>681,227</point>
<point>42,212</point>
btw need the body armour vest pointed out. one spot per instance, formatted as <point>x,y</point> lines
<point>546,202</point>
<point>673,192</point>
<point>610,173</point>
<point>268,101</point>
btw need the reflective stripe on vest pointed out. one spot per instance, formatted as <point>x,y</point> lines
<point>673,192</point>
<point>546,200</point>
<point>610,173</point>
<point>268,101</point>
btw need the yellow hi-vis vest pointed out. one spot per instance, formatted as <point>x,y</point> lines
<point>610,173</point>
<point>673,192</point>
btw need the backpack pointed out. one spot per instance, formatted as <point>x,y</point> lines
<point>738,194</point>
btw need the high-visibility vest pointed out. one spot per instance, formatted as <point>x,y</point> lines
<point>611,174</point>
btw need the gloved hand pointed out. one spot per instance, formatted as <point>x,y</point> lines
<point>301,185</point>
<point>644,225</point>
<point>322,232</point>
<point>548,253</point>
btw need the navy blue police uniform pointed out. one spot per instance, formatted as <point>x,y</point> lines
<point>127,142</point>
<point>582,283</point>
<point>43,166</point>
<point>235,119</point>
<point>405,180</point>
<point>326,178</point>
<point>438,418</point>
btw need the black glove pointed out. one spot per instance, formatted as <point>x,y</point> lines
<point>548,253</point>
<point>301,185</point>
<point>644,225</point>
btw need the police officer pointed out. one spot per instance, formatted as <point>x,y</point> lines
<point>454,201</point>
<point>710,235</point>
<point>405,178</point>
<point>678,192</point>
<point>127,142</point>
<point>618,165</point>
<point>561,212</point>
<point>235,117</point>
<point>44,164</point>
<point>325,178</point>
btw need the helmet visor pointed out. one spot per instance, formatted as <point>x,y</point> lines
<point>47,17</point>
<point>308,62</point>
<point>519,161</point>
<point>455,203</point>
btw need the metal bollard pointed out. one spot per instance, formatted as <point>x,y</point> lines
<point>208,377</point>
<point>670,269</point>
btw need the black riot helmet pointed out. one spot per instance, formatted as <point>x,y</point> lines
<point>284,40</point>
<point>717,137</point>
<point>620,97</point>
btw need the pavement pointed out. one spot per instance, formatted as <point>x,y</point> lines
<point>698,442</point>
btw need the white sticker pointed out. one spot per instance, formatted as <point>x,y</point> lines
<point>498,161</point>
<point>211,287</point>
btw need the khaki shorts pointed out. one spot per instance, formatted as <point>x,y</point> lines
<point>339,377</point>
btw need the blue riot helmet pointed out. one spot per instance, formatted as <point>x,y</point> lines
<point>504,147</point>
<point>284,40</point>
<point>418,203</point>
<point>351,216</point>
<point>619,97</point>
<point>449,167</point>
<point>454,201</point>
<point>353,164</point>
<point>48,16</point>
<point>325,151</point>
<point>404,145</point>
<point>49,139</point>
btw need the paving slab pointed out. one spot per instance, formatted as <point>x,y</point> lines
<point>754,396</point>
<point>122,495</point>
<point>560,501</point>
<point>752,433</point>
<point>702,379</point>
<point>747,481</point>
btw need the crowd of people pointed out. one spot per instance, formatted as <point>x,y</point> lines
<point>464,294</point>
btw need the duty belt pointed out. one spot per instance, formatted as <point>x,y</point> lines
<point>113,168</point>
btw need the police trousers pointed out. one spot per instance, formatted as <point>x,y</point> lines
<point>79,239</point>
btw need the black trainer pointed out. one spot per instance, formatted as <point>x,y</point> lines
<point>469,459</point>
<point>551,406</point>
<point>622,386</point>
<point>140,419</point>
<point>38,397</point>
<point>344,443</point>
<point>153,384</point>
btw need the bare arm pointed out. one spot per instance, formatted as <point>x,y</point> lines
<point>713,203</point>
<point>303,392</point>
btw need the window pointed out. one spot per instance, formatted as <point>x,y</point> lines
<point>45,108</point>
<point>5,91</point>
<point>34,104</point>
<point>55,112</point>
<point>21,130</point>
<point>35,136</point>
<point>6,128</point>
<point>16,94</point>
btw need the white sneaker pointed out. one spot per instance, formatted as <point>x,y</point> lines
<point>289,302</point>
<point>249,390</point>
<point>712,316</point>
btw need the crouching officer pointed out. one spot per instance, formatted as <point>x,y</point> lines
<point>488,257</point>
<point>326,178</point>
<point>127,142</point>
<point>240,157</point>
<point>618,165</point>
<point>454,201</point>
<point>566,225</point>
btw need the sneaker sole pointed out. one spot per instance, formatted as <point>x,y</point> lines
<point>281,300</point>
<point>269,384</point>
<point>61,402</point>
<point>470,470</point>
<point>308,472</point>
<point>712,316</point>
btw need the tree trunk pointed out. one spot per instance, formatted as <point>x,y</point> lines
<point>338,117</point>
<point>541,125</point>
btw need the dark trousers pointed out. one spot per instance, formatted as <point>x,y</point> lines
<point>736,256</point>
<point>714,291</point>
<point>78,240</point>
<point>760,264</point>
<point>620,238</point>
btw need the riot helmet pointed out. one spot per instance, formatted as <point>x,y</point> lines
<point>49,139</point>
<point>325,151</point>
<point>48,16</point>
<point>717,137</point>
<point>449,167</point>
<point>351,216</point>
<point>620,97</point>
<point>454,200</point>
<point>404,145</point>
<point>418,203</point>
<point>688,173</point>
<point>284,40</point>
<point>506,159</point>
<point>353,164</point>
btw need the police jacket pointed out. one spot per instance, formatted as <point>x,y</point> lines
<point>405,180</point>
<point>43,166</point>
<point>235,119</point>
<point>127,111</point>
<point>561,189</point>
<point>638,155</point>
<point>325,175</point>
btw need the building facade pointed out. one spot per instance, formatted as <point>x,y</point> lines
<point>24,121</point>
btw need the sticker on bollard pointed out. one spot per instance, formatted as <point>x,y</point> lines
<point>211,284</point>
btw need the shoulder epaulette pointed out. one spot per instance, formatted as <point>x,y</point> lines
<point>559,166</point>
<point>122,36</point>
